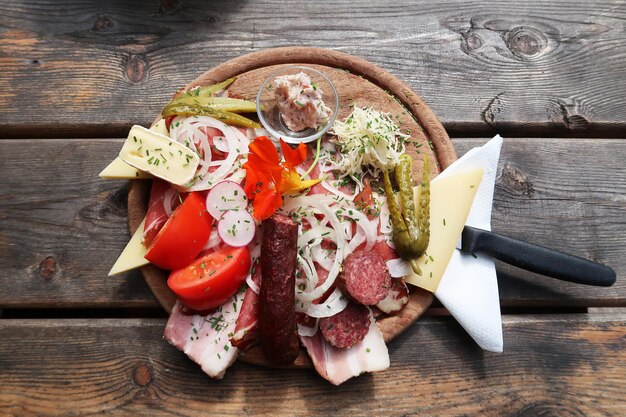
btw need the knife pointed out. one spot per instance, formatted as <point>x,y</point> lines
<point>536,258</point>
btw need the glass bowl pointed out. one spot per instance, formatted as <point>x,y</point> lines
<point>269,114</point>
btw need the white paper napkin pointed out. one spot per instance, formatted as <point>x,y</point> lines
<point>469,288</point>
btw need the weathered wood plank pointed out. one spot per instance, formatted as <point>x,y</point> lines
<point>62,227</point>
<point>567,194</point>
<point>565,365</point>
<point>524,68</point>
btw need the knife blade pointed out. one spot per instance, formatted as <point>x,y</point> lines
<point>536,258</point>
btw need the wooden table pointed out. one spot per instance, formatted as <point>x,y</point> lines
<point>75,76</point>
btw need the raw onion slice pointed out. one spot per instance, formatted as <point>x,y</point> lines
<point>236,227</point>
<point>252,284</point>
<point>308,331</point>
<point>336,303</point>
<point>330,187</point>
<point>187,131</point>
<point>322,256</point>
<point>220,143</point>
<point>398,268</point>
<point>214,239</point>
<point>225,196</point>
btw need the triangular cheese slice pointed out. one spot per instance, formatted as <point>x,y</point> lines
<point>133,254</point>
<point>451,199</point>
<point>120,170</point>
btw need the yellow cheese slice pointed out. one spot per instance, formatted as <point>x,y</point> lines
<point>159,155</point>
<point>120,170</point>
<point>160,128</point>
<point>450,203</point>
<point>133,254</point>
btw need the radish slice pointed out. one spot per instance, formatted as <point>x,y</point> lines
<point>236,228</point>
<point>225,196</point>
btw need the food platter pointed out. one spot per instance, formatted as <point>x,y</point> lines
<point>359,82</point>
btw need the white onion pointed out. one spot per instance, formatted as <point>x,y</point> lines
<point>233,139</point>
<point>220,143</point>
<point>328,186</point>
<point>357,240</point>
<point>256,132</point>
<point>255,250</point>
<point>334,270</point>
<point>214,239</point>
<point>308,331</point>
<point>252,284</point>
<point>309,272</point>
<point>368,227</point>
<point>320,256</point>
<point>335,303</point>
<point>398,268</point>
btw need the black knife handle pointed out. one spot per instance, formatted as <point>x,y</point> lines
<point>537,258</point>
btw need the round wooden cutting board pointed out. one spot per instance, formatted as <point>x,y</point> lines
<point>358,82</point>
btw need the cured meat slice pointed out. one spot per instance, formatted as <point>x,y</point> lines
<point>346,328</point>
<point>246,330</point>
<point>156,215</point>
<point>365,277</point>
<point>205,339</point>
<point>338,365</point>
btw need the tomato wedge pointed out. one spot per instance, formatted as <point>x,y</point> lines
<point>212,279</point>
<point>183,236</point>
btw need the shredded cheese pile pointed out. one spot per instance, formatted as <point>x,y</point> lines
<point>369,140</point>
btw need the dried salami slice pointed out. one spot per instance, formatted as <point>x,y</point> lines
<point>348,327</point>
<point>365,277</point>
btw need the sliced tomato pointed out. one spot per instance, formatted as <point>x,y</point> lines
<point>210,280</point>
<point>183,236</point>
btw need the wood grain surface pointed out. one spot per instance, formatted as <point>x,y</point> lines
<point>62,227</point>
<point>92,68</point>
<point>566,365</point>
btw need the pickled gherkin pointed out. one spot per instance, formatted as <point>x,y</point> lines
<point>411,224</point>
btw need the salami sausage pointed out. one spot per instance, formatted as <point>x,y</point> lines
<point>365,277</point>
<point>348,327</point>
<point>277,314</point>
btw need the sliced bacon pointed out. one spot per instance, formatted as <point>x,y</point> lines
<point>338,365</point>
<point>156,215</point>
<point>205,339</point>
<point>246,330</point>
